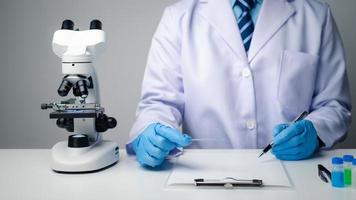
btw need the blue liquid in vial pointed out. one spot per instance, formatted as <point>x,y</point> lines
<point>337,178</point>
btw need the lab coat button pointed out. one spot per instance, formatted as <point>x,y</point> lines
<point>250,124</point>
<point>245,72</point>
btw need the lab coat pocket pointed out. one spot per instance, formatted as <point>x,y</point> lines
<point>296,82</point>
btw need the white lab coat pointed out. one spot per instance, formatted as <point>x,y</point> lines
<point>199,76</point>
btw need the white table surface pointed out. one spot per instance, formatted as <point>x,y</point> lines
<point>26,174</point>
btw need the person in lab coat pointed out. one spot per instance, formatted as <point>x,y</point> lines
<point>239,71</point>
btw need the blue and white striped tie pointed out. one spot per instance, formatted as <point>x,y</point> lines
<point>245,22</point>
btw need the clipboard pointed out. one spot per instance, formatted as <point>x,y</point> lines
<point>242,168</point>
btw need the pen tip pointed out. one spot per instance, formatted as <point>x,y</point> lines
<point>260,155</point>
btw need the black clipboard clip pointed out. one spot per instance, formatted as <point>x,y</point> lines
<point>323,173</point>
<point>228,182</point>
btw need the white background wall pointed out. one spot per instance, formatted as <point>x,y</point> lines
<point>30,73</point>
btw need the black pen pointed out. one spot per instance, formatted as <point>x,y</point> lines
<point>323,172</point>
<point>269,147</point>
<point>228,182</point>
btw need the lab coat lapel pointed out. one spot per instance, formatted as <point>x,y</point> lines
<point>273,15</point>
<point>221,17</point>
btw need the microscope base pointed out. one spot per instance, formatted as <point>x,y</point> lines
<point>94,158</point>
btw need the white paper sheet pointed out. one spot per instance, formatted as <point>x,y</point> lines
<point>239,164</point>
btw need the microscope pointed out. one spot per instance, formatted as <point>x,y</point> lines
<point>82,116</point>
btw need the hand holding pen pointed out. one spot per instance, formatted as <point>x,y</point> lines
<point>294,141</point>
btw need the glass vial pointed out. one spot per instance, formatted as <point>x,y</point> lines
<point>348,169</point>
<point>337,174</point>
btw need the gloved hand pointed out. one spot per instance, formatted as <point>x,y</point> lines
<point>296,141</point>
<point>156,141</point>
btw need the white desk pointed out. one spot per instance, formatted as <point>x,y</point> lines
<point>26,174</point>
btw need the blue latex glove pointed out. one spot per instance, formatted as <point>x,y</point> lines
<point>156,141</point>
<point>296,141</point>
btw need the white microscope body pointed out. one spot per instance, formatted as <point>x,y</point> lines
<point>85,150</point>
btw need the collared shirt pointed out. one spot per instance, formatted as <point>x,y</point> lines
<point>254,11</point>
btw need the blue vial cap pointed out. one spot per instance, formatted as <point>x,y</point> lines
<point>354,162</point>
<point>348,158</point>
<point>337,160</point>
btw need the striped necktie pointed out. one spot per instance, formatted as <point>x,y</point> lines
<point>245,22</point>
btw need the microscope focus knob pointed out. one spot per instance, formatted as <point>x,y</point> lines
<point>78,141</point>
<point>45,106</point>
<point>66,123</point>
<point>103,123</point>
<point>111,122</point>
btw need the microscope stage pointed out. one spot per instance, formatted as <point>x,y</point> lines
<point>73,114</point>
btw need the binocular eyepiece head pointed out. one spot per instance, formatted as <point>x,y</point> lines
<point>69,25</point>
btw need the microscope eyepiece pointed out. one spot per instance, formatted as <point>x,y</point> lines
<point>68,24</point>
<point>95,24</point>
<point>64,88</point>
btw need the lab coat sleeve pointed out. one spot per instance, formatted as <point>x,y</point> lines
<point>162,97</point>
<point>331,104</point>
